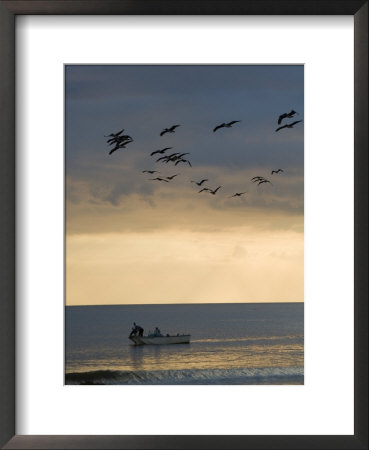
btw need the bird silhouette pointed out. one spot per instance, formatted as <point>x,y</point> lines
<point>288,125</point>
<point>159,179</point>
<point>115,134</point>
<point>183,160</point>
<point>118,139</point>
<point>172,176</point>
<point>200,182</point>
<point>238,194</point>
<point>255,179</point>
<point>260,180</point>
<point>150,171</point>
<point>225,125</point>
<point>175,157</point>
<point>276,171</point>
<point>286,115</point>
<point>215,190</point>
<point>167,158</point>
<point>204,189</point>
<point>120,145</point>
<point>160,151</point>
<point>264,181</point>
<point>169,130</point>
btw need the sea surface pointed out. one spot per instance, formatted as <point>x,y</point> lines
<point>231,343</point>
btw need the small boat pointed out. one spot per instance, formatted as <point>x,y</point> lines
<point>161,340</point>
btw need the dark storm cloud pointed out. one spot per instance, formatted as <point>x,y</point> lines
<point>135,82</point>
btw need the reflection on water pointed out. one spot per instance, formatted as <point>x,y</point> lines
<point>196,356</point>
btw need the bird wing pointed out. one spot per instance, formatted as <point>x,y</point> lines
<point>163,132</point>
<point>280,128</point>
<point>294,123</point>
<point>233,121</point>
<point>173,127</point>
<point>281,117</point>
<point>155,152</point>
<point>218,126</point>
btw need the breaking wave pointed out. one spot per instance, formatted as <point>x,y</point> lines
<point>266,375</point>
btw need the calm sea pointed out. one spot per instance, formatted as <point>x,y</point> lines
<point>230,344</point>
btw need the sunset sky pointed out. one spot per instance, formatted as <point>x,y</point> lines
<point>133,240</point>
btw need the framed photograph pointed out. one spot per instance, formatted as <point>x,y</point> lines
<point>184,219</point>
<point>188,198</point>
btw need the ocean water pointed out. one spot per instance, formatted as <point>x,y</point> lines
<point>248,343</point>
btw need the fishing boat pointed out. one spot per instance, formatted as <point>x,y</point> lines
<point>161,340</point>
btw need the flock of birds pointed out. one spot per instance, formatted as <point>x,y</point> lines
<point>119,140</point>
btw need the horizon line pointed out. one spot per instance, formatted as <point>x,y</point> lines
<point>179,303</point>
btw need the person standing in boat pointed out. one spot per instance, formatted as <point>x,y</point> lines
<point>134,330</point>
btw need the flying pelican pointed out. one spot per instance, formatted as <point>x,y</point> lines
<point>115,134</point>
<point>119,139</point>
<point>150,171</point>
<point>183,160</point>
<point>169,130</point>
<point>238,194</point>
<point>288,125</point>
<point>175,157</point>
<point>225,125</point>
<point>264,181</point>
<point>255,179</point>
<point>159,179</point>
<point>286,115</point>
<point>120,145</point>
<point>276,171</point>
<point>160,151</point>
<point>200,182</point>
<point>172,176</point>
<point>167,158</point>
<point>214,191</point>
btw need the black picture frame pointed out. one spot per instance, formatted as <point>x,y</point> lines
<point>8,11</point>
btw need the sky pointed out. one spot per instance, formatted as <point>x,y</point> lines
<point>134,240</point>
